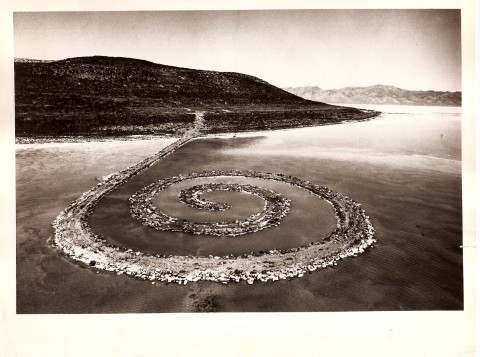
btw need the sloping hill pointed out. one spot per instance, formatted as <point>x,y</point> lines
<point>116,96</point>
<point>378,94</point>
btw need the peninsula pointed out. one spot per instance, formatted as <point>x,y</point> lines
<point>98,98</point>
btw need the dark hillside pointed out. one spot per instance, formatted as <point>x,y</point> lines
<point>120,96</point>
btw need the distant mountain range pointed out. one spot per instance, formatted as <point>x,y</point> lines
<point>29,60</point>
<point>378,94</point>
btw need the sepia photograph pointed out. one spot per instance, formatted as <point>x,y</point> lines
<point>240,160</point>
<point>179,177</point>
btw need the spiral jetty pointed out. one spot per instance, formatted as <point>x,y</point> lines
<point>353,234</point>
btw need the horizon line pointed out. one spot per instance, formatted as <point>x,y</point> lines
<point>202,69</point>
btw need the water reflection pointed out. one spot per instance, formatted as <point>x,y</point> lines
<point>426,138</point>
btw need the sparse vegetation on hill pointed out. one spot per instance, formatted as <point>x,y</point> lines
<point>102,96</point>
<point>238,121</point>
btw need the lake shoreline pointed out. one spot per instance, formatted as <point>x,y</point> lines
<point>22,142</point>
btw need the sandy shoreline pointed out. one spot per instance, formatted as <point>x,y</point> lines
<point>118,142</point>
<point>30,142</point>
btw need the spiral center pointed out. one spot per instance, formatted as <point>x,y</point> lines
<point>192,196</point>
<point>142,207</point>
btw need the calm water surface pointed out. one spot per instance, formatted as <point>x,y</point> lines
<point>405,170</point>
<point>403,137</point>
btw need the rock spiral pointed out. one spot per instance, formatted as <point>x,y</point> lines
<point>141,204</point>
<point>73,235</point>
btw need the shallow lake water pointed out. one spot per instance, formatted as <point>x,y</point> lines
<point>405,170</point>
<point>403,137</point>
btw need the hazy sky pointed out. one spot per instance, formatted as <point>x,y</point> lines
<point>412,49</point>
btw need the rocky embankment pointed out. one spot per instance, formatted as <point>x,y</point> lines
<point>73,235</point>
<point>276,207</point>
